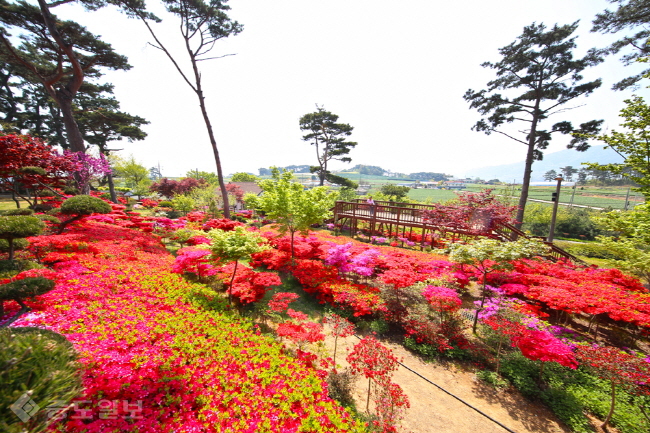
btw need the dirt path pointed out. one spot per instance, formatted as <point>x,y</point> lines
<point>432,410</point>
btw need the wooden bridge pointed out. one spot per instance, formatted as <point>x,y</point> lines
<point>402,218</point>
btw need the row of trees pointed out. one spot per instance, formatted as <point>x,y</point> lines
<point>538,75</point>
<point>51,67</point>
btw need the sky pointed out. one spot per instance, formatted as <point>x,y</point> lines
<point>395,71</point>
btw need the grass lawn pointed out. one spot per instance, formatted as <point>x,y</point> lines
<point>6,203</point>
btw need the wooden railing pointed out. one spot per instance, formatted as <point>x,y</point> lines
<point>412,214</point>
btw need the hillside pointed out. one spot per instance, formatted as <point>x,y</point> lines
<point>551,161</point>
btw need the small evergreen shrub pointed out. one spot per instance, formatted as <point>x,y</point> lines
<point>21,211</point>
<point>84,205</point>
<point>26,288</point>
<point>80,206</point>
<point>40,365</point>
<point>19,226</point>
<point>19,244</point>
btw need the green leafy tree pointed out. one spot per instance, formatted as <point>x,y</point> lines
<point>293,208</point>
<point>244,177</point>
<point>131,171</point>
<point>396,192</point>
<point>202,24</point>
<point>631,240</point>
<point>540,65</point>
<point>489,255</point>
<point>329,138</point>
<point>630,15</point>
<point>207,176</point>
<point>235,245</point>
<point>633,145</point>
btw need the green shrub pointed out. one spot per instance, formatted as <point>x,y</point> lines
<point>26,288</point>
<point>492,378</point>
<point>165,203</point>
<point>19,244</point>
<point>19,226</point>
<point>37,364</point>
<point>379,326</point>
<point>18,212</point>
<point>591,249</point>
<point>84,205</point>
<point>574,223</point>
<point>70,190</point>
<point>49,218</point>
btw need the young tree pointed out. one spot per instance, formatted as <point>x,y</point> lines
<point>489,255</point>
<point>202,24</point>
<point>133,173</point>
<point>631,14</point>
<point>294,208</point>
<point>244,177</point>
<point>550,175</point>
<point>58,54</point>
<point>234,245</point>
<point>633,145</point>
<point>541,65</point>
<point>631,241</point>
<point>328,137</point>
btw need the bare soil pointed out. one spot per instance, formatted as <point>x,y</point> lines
<point>434,411</point>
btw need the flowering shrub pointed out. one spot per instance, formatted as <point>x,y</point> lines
<point>139,339</point>
<point>224,224</point>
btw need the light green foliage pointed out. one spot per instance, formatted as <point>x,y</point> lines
<point>183,235</point>
<point>133,173</point>
<point>632,240</point>
<point>20,226</point>
<point>183,203</point>
<point>42,363</point>
<point>244,177</point>
<point>209,177</point>
<point>84,205</point>
<point>488,255</point>
<point>633,145</point>
<point>294,208</point>
<point>571,222</point>
<point>346,194</point>
<point>480,253</point>
<point>207,198</point>
<point>228,246</point>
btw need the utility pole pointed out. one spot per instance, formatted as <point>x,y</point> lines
<point>556,199</point>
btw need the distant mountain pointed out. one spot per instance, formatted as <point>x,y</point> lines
<point>551,161</point>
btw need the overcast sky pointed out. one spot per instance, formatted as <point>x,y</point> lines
<point>395,71</point>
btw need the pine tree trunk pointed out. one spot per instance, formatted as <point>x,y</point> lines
<point>75,139</point>
<point>528,170</point>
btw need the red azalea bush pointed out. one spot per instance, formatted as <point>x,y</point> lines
<point>179,367</point>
